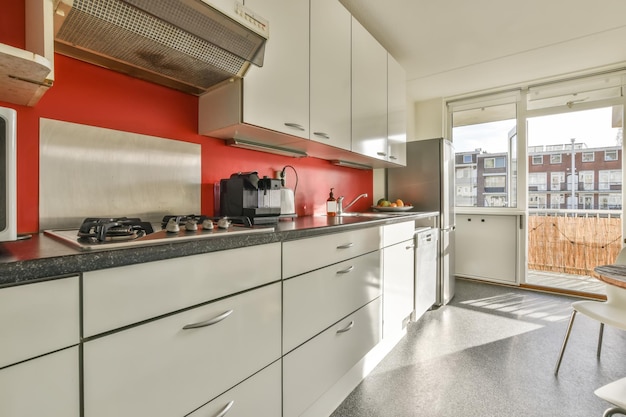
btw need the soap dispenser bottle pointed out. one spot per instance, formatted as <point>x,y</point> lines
<point>331,204</point>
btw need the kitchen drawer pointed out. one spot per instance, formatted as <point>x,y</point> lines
<point>314,367</point>
<point>116,297</point>
<point>160,369</point>
<point>38,318</point>
<point>45,386</point>
<point>300,256</point>
<point>259,395</point>
<point>398,232</point>
<point>311,302</point>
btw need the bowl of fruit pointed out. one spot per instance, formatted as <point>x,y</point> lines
<point>391,205</point>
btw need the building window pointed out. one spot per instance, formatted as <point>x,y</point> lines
<point>586,179</point>
<point>537,181</point>
<point>555,158</point>
<point>537,159</point>
<point>556,179</point>
<point>610,201</point>
<point>495,181</point>
<point>610,179</point>
<point>537,201</point>
<point>588,156</point>
<point>495,201</point>
<point>610,155</point>
<point>497,162</point>
<point>586,201</point>
<point>556,200</point>
<point>467,159</point>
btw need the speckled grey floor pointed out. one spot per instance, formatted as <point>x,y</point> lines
<point>491,353</point>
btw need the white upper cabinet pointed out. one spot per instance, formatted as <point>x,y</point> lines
<point>369,94</point>
<point>276,96</point>
<point>396,112</point>
<point>27,74</point>
<point>330,73</point>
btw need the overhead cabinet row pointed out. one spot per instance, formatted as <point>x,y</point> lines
<point>327,88</point>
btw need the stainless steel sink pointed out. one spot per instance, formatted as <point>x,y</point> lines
<point>372,214</point>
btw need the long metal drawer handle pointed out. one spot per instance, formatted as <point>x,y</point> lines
<point>381,154</point>
<point>322,135</point>
<point>392,157</point>
<point>295,126</point>
<point>209,322</point>
<point>226,408</point>
<point>346,246</point>
<point>345,271</point>
<point>347,328</point>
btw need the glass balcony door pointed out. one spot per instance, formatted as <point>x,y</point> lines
<point>574,197</point>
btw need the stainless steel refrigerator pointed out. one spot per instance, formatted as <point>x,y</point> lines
<point>427,182</point>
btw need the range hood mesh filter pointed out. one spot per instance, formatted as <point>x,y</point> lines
<point>120,31</point>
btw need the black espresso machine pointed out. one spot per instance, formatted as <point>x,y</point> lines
<point>245,194</point>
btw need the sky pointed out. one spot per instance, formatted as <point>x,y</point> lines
<point>592,127</point>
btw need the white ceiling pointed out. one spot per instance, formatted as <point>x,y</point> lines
<point>455,47</point>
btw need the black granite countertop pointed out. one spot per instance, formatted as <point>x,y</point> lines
<point>42,257</point>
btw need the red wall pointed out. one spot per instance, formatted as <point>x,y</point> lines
<point>90,95</point>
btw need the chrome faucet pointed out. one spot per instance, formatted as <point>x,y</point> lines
<point>340,207</point>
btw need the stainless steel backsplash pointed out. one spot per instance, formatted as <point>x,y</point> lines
<point>87,171</point>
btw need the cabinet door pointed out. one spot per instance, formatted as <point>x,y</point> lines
<point>369,94</point>
<point>142,291</point>
<point>38,318</point>
<point>304,255</point>
<point>276,96</point>
<point>330,73</point>
<point>259,395</point>
<point>486,247</point>
<point>311,302</point>
<point>45,386</point>
<point>314,367</point>
<point>161,369</point>
<point>396,112</point>
<point>398,286</point>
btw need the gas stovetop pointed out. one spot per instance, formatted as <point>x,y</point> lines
<point>124,232</point>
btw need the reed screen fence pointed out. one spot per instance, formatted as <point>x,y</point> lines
<point>573,242</point>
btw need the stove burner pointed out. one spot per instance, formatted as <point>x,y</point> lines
<point>198,219</point>
<point>98,230</point>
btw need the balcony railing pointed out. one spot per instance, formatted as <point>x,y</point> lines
<point>573,241</point>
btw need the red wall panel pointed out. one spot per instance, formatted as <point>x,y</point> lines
<point>87,94</point>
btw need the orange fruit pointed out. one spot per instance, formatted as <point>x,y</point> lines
<point>400,203</point>
<point>393,205</point>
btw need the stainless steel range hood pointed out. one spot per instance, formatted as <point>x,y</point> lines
<point>189,45</point>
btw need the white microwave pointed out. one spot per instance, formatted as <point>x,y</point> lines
<point>8,175</point>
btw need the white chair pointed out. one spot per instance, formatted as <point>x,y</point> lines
<point>611,312</point>
<point>615,393</point>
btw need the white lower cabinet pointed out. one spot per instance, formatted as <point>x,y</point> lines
<point>304,255</point>
<point>398,276</point>
<point>259,395</point>
<point>173,365</point>
<point>314,300</point>
<point>486,247</point>
<point>44,386</point>
<point>398,283</point>
<point>38,318</point>
<point>117,297</point>
<point>313,368</point>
